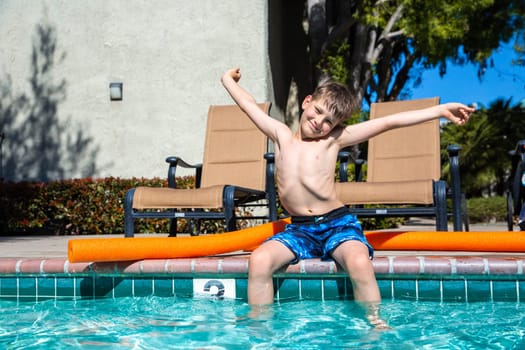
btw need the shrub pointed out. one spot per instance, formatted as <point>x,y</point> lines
<point>80,206</point>
<point>85,206</point>
<point>381,223</point>
<point>487,209</point>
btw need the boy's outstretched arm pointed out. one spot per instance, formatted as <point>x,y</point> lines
<point>268,125</point>
<point>457,113</point>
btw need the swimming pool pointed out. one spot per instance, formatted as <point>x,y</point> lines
<point>204,323</point>
<point>432,301</point>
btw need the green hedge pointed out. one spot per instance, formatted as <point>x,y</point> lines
<point>487,209</point>
<point>73,207</point>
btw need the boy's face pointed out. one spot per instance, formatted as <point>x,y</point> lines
<point>316,120</point>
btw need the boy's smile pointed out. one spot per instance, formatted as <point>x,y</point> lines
<point>316,120</point>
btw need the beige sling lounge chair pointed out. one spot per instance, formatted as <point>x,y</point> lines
<point>235,172</point>
<point>403,171</point>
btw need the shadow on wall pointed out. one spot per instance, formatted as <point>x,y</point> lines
<point>34,143</point>
<point>289,60</point>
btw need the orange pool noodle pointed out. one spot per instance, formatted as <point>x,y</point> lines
<point>499,241</point>
<point>139,248</point>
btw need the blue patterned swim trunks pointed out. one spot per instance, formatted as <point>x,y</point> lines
<point>318,236</point>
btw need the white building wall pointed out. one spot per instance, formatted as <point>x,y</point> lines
<point>169,54</point>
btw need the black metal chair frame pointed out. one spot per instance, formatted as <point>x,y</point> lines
<point>515,190</point>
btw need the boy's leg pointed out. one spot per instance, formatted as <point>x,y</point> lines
<point>354,257</point>
<point>264,261</point>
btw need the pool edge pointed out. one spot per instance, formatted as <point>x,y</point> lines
<point>452,277</point>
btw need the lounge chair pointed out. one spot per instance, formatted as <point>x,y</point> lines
<point>403,172</point>
<point>235,172</point>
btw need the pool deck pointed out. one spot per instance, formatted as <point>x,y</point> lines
<point>48,254</point>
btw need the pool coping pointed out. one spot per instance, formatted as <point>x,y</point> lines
<point>387,264</point>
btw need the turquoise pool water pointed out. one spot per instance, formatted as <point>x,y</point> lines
<point>179,323</point>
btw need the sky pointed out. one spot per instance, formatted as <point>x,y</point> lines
<point>461,83</point>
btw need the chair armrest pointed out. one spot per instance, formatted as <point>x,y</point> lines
<point>520,148</point>
<point>270,185</point>
<point>455,185</point>
<point>270,157</point>
<point>516,155</point>
<point>453,155</point>
<point>175,161</point>
<point>344,158</point>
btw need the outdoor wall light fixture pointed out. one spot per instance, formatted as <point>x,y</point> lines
<point>115,91</point>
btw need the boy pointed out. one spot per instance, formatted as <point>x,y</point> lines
<point>305,165</point>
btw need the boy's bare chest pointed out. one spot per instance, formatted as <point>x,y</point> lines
<point>308,156</point>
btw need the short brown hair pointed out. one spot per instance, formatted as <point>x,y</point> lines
<point>337,99</point>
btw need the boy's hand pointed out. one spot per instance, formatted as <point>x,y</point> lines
<point>234,73</point>
<point>457,113</point>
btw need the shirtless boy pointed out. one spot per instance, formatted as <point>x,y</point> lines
<point>305,164</point>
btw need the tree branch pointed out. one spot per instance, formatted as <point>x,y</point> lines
<point>387,31</point>
<point>395,34</point>
<point>401,78</point>
<point>393,19</point>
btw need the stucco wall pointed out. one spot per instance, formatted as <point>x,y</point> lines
<point>169,55</point>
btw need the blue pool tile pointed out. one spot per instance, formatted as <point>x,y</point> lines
<point>46,287</point>
<point>241,288</point>
<point>163,287</point>
<point>78,284</point>
<point>312,289</point>
<point>478,291</point>
<point>336,288</point>
<point>31,287</point>
<point>27,288</point>
<point>123,287</point>
<point>85,288</point>
<point>142,287</point>
<point>429,290</point>
<point>349,289</point>
<point>9,287</point>
<point>454,290</point>
<point>504,291</point>
<point>95,287</point>
<point>405,289</point>
<point>385,288</point>
<point>65,287</point>
<point>288,289</point>
<point>184,287</point>
<point>103,287</point>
